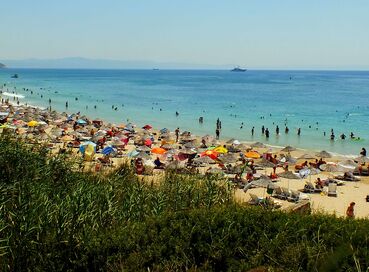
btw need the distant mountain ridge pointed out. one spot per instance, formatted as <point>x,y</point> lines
<point>85,63</point>
<point>2,65</point>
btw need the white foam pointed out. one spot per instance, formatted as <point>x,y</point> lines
<point>13,95</point>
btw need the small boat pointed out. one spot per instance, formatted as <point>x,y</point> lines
<point>238,69</point>
<point>15,76</point>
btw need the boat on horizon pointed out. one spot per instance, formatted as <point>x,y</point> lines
<point>238,69</point>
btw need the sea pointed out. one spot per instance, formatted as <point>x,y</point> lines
<point>317,102</point>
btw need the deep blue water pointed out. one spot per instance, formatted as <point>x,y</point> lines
<point>336,100</point>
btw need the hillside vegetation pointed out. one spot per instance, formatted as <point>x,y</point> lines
<point>55,218</point>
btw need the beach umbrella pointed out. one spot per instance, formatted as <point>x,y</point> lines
<point>306,157</point>
<point>252,155</point>
<point>207,138</point>
<point>323,154</point>
<point>133,153</point>
<point>215,171</point>
<point>81,122</point>
<point>243,147</point>
<point>329,167</point>
<point>228,158</point>
<point>158,150</point>
<point>143,155</point>
<point>175,165</point>
<point>265,163</point>
<point>304,173</point>
<point>236,142</point>
<point>362,159</point>
<point>168,146</point>
<point>108,150</point>
<point>289,175</point>
<point>348,164</point>
<point>148,142</point>
<point>144,148</point>
<point>32,123</point>
<point>220,149</point>
<point>189,145</point>
<point>205,159</point>
<point>147,127</point>
<point>187,151</point>
<point>230,141</point>
<point>84,145</point>
<point>258,145</point>
<point>66,138</point>
<point>164,131</point>
<point>210,153</point>
<point>288,149</point>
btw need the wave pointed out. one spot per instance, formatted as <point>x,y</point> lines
<point>13,95</point>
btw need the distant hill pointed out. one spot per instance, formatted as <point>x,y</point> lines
<point>2,65</point>
<point>85,63</point>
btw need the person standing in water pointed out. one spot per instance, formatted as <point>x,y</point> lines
<point>262,129</point>
<point>217,133</point>
<point>299,132</point>
<point>177,134</point>
<point>252,131</point>
<point>277,130</point>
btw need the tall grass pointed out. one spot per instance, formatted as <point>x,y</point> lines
<point>55,218</point>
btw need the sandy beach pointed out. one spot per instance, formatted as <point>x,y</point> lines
<point>117,143</point>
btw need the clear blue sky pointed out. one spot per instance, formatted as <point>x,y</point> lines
<point>254,34</point>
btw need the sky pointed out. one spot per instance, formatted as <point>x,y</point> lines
<point>276,34</point>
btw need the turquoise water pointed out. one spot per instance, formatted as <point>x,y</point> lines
<point>336,100</point>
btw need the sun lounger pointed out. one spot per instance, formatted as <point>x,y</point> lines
<point>255,200</point>
<point>278,193</point>
<point>332,189</point>
<point>294,196</point>
<point>309,187</point>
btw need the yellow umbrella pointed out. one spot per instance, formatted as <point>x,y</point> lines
<point>220,149</point>
<point>32,123</point>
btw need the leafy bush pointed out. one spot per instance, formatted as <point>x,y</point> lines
<point>56,218</point>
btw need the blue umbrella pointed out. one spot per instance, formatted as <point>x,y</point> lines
<point>81,122</point>
<point>108,150</point>
<point>83,146</point>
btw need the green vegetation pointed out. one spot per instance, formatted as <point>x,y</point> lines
<point>54,218</point>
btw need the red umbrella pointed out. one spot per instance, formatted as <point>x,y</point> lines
<point>210,153</point>
<point>148,142</point>
<point>147,127</point>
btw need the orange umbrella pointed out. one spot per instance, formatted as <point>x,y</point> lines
<point>158,150</point>
<point>252,155</point>
<point>210,153</point>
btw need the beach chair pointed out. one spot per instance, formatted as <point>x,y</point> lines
<point>278,193</point>
<point>286,193</point>
<point>332,189</point>
<point>255,200</point>
<point>294,196</point>
<point>309,187</point>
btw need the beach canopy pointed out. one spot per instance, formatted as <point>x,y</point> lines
<point>147,127</point>
<point>32,123</point>
<point>158,150</point>
<point>252,155</point>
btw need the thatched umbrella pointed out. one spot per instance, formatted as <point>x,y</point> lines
<point>288,149</point>
<point>258,145</point>
<point>205,160</point>
<point>323,154</point>
<point>289,175</point>
<point>306,157</point>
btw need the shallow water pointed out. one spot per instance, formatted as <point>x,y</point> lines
<point>315,101</point>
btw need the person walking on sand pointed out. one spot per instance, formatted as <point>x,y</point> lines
<point>350,210</point>
<point>177,134</point>
<point>217,133</point>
